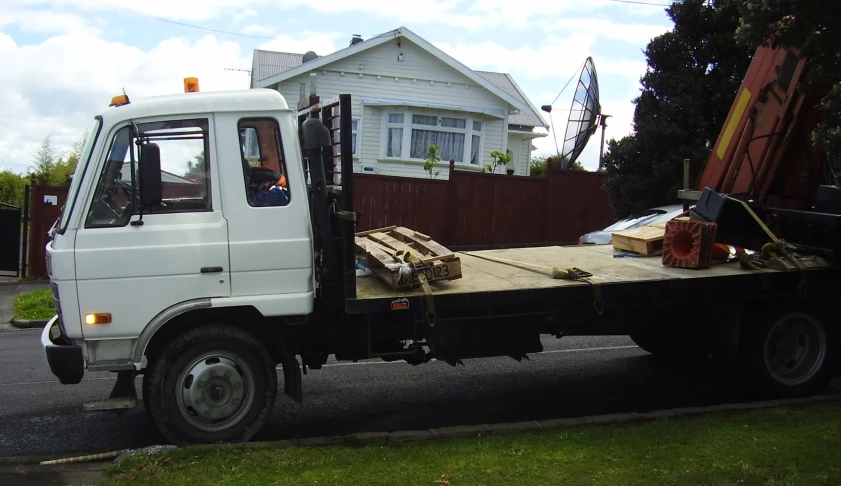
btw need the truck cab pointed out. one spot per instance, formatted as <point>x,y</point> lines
<point>183,207</point>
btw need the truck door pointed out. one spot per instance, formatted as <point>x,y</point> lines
<point>265,203</point>
<point>179,252</point>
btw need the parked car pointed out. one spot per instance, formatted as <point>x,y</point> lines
<point>642,218</point>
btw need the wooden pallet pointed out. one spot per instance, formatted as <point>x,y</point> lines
<point>645,240</point>
<point>376,249</point>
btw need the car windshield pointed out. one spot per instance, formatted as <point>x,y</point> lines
<point>635,220</point>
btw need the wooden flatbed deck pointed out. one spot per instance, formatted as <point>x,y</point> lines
<point>480,275</point>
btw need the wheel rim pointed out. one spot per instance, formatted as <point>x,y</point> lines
<point>795,349</point>
<point>215,390</point>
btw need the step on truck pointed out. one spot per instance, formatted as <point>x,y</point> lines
<point>208,244</point>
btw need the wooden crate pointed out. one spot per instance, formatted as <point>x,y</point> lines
<point>645,240</point>
<point>376,249</point>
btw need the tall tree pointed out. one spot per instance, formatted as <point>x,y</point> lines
<point>56,170</point>
<point>812,28</point>
<point>694,72</point>
<point>12,188</point>
<point>44,161</point>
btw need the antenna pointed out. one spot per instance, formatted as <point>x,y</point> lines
<point>238,69</point>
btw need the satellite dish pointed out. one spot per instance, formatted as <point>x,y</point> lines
<point>309,56</point>
<point>584,115</point>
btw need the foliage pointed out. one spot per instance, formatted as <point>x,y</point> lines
<point>538,165</point>
<point>33,305</point>
<point>694,73</point>
<point>500,159</point>
<point>432,159</point>
<point>54,169</point>
<point>196,168</point>
<point>779,446</point>
<point>12,188</point>
<point>811,28</point>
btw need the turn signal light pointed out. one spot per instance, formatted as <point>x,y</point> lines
<point>191,85</point>
<point>93,319</point>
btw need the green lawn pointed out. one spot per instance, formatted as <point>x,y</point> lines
<point>783,446</point>
<point>33,305</point>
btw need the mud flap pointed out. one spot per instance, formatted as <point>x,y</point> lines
<point>293,385</point>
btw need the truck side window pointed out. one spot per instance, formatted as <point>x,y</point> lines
<point>185,172</point>
<point>263,164</point>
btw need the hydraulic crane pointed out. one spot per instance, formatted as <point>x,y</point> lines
<point>764,157</point>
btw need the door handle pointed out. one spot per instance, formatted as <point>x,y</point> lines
<point>211,269</point>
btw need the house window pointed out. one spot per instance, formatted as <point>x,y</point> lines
<point>355,131</point>
<point>394,138</point>
<point>459,138</point>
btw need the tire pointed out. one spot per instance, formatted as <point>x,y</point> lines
<point>789,353</point>
<point>214,383</point>
<point>672,349</point>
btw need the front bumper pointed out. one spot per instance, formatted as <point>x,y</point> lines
<point>65,360</point>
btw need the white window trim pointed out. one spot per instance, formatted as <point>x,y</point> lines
<point>407,126</point>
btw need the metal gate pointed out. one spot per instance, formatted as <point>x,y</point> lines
<point>13,235</point>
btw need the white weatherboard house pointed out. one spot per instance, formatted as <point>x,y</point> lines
<point>408,94</point>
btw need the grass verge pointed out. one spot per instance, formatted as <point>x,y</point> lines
<point>37,304</point>
<point>781,446</point>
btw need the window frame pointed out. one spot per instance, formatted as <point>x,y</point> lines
<point>130,125</point>
<point>408,126</point>
<point>282,161</point>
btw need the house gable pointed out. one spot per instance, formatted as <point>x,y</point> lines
<point>350,57</point>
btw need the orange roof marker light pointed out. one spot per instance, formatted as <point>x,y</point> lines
<point>120,100</point>
<point>191,85</point>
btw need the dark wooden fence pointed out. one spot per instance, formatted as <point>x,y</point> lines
<point>468,210</point>
<point>487,210</point>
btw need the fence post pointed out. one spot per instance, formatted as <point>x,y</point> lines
<point>547,228</point>
<point>451,209</point>
<point>33,208</point>
<point>24,246</point>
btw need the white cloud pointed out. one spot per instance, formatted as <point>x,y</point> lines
<point>254,29</point>
<point>42,21</point>
<point>181,10</point>
<point>57,86</point>
<point>555,57</point>
<point>634,33</point>
<point>321,43</point>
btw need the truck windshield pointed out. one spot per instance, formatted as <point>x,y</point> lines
<point>78,175</point>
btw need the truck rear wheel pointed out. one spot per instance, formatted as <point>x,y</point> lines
<point>791,353</point>
<point>214,383</point>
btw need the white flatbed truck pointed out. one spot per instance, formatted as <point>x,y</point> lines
<point>203,276</point>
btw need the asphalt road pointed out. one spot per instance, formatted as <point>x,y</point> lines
<point>576,376</point>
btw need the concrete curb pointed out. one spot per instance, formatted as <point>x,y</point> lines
<point>29,324</point>
<point>405,436</point>
<point>4,283</point>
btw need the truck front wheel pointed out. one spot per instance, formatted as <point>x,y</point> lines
<point>214,383</point>
<point>789,353</point>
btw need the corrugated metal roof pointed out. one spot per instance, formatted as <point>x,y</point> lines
<point>268,63</point>
<point>506,83</point>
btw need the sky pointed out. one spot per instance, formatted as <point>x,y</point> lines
<point>61,61</point>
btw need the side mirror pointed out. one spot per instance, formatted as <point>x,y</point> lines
<point>151,191</point>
